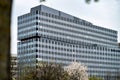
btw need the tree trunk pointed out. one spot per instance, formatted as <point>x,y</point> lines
<point>5,20</point>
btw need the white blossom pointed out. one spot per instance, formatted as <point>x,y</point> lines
<point>77,71</point>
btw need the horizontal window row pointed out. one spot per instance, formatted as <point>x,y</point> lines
<point>50,43</point>
<point>70,36</point>
<point>68,30</point>
<point>77,27</point>
<point>75,20</point>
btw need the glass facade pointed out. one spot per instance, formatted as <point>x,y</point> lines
<point>49,35</point>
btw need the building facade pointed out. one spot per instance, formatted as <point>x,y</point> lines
<point>49,35</point>
<point>14,66</point>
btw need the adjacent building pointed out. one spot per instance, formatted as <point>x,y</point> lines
<point>14,66</point>
<point>49,35</point>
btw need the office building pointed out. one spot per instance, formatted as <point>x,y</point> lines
<point>14,66</point>
<point>49,35</point>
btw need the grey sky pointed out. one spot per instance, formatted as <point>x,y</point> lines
<point>105,13</point>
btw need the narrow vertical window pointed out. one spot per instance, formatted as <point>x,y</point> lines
<point>36,18</point>
<point>36,11</point>
<point>36,23</point>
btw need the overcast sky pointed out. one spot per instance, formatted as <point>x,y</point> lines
<point>105,13</point>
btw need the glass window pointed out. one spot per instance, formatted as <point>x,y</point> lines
<point>36,18</point>
<point>36,11</point>
<point>36,23</point>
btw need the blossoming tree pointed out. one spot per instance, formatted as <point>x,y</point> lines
<point>77,71</point>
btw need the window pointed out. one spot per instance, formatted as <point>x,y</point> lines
<point>36,28</point>
<point>36,45</point>
<point>36,23</point>
<point>36,18</point>
<point>36,50</point>
<point>36,11</point>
